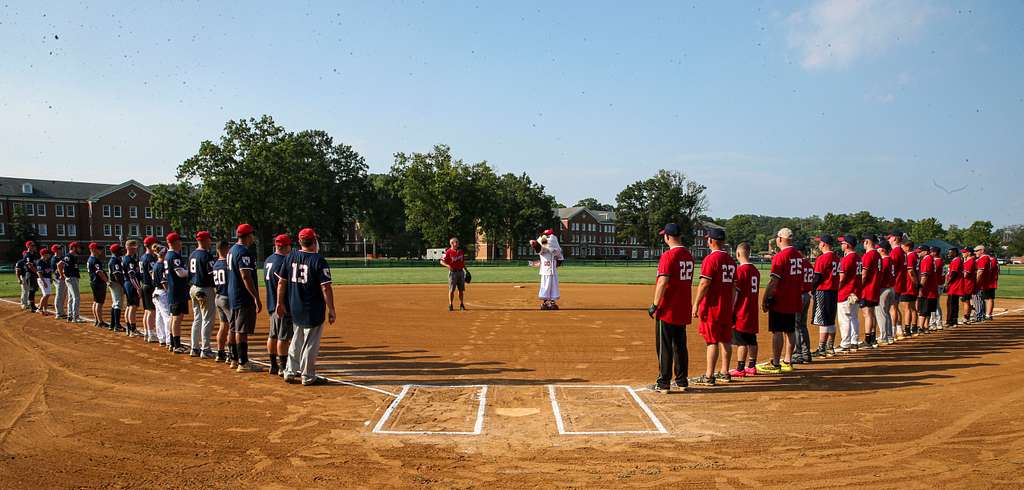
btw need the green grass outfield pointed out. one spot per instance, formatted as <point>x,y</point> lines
<point>1011,282</point>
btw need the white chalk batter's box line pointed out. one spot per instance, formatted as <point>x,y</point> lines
<point>560,423</point>
<point>478,426</point>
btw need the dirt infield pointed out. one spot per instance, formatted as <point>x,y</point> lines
<point>504,395</point>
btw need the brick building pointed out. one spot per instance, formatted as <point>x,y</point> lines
<point>62,212</point>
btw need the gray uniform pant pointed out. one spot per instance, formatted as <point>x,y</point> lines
<point>25,303</point>
<point>979,307</point>
<point>203,311</point>
<point>74,297</point>
<point>803,337</point>
<point>882,315</point>
<point>117,293</point>
<point>303,352</point>
<point>60,296</point>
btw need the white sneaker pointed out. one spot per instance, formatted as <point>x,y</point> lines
<point>249,367</point>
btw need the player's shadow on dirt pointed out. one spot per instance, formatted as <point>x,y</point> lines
<point>898,366</point>
<point>561,308</point>
<point>379,366</point>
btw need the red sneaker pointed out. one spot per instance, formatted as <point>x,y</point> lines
<point>750,371</point>
<point>736,373</point>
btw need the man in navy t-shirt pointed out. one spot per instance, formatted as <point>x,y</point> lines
<point>132,286</point>
<point>68,269</point>
<point>280,334</point>
<point>220,282</point>
<point>243,296</point>
<point>146,264</point>
<point>97,283</point>
<point>305,286</point>
<point>60,297</point>
<point>177,290</point>
<point>115,271</point>
<point>201,290</point>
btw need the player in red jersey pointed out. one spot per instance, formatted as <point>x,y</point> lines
<point>953,279</point>
<point>986,264</point>
<point>993,284</point>
<point>898,259</point>
<point>870,288</point>
<point>886,296</point>
<point>713,307</point>
<point>967,284</point>
<point>849,290</point>
<point>928,295</point>
<point>744,335</point>
<point>826,276</point>
<point>802,348</point>
<point>454,259</point>
<point>935,322</point>
<point>672,310</point>
<point>911,282</point>
<point>782,301</point>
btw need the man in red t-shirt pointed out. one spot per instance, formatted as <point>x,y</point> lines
<point>744,335</point>
<point>826,276</point>
<point>911,282</point>
<point>935,321</point>
<point>713,307</point>
<point>782,301</point>
<point>870,288</point>
<point>986,264</point>
<point>672,310</point>
<point>928,295</point>
<point>848,308</point>
<point>967,284</point>
<point>886,295</point>
<point>899,264</point>
<point>953,278</point>
<point>454,259</point>
<point>802,347</point>
<point>993,284</point>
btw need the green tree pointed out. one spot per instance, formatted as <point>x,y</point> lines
<point>927,229</point>
<point>180,204</point>
<point>521,210</point>
<point>275,180</point>
<point>383,219</point>
<point>20,229</point>
<point>980,233</point>
<point>1012,237</point>
<point>643,207</point>
<point>593,204</point>
<point>443,197</point>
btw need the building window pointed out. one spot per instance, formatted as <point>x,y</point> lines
<point>149,229</point>
<point>41,229</point>
<point>2,231</point>
<point>17,207</point>
<point>106,211</point>
<point>72,230</point>
<point>26,188</point>
<point>160,230</point>
<point>70,210</point>
<point>149,212</point>
<point>118,231</point>
<point>133,230</point>
<point>117,211</point>
<point>60,229</point>
<point>107,230</point>
<point>133,211</point>
<point>29,209</point>
<point>40,210</point>
<point>58,210</point>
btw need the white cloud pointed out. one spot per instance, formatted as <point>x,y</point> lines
<point>835,33</point>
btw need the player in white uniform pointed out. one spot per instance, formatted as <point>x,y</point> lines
<point>550,253</point>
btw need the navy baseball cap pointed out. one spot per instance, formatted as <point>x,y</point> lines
<point>670,229</point>
<point>884,245</point>
<point>716,233</point>
<point>848,238</point>
<point>826,239</point>
<point>869,236</point>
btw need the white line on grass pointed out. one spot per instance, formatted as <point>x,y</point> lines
<point>478,426</point>
<point>557,411</point>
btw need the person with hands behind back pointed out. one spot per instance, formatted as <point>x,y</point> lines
<point>672,311</point>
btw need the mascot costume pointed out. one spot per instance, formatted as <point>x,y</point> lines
<point>551,257</point>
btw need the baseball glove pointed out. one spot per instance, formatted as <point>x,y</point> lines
<point>469,277</point>
<point>535,245</point>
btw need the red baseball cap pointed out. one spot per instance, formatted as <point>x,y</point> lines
<point>149,240</point>
<point>29,243</point>
<point>73,245</point>
<point>307,234</point>
<point>282,240</point>
<point>45,251</point>
<point>548,232</point>
<point>243,229</point>
<point>115,248</point>
<point>54,248</point>
<point>173,237</point>
<point>203,235</point>
<point>92,246</point>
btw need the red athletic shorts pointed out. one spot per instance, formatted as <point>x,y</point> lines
<point>714,333</point>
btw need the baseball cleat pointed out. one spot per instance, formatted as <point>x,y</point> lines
<point>194,353</point>
<point>317,381</point>
<point>750,371</point>
<point>179,350</point>
<point>680,387</point>
<point>462,307</point>
<point>702,380</point>
<point>785,367</point>
<point>736,373</point>
<point>451,308</point>
<point>768,368</point>
<point>723,378</point>
<point>249,368</point>
<point>291,379</point>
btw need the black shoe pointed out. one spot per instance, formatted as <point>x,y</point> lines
<point>659,389</point>
<point>451,308</point>
<point>273,370</point>
<point>680,386</point>
<point>462,307</point>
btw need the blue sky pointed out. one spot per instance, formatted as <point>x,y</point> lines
<point>779,108</point>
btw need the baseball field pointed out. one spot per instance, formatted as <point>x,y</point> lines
<point>504,395</point>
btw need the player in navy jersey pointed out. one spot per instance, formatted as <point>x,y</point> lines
<point>280,334</point>
<point>201,291</point>
<point>97,283</point>
<point>146,263</point>
<point>305,287</point>
<point>243,296</point>
<point>177,291</point>
<point>19,272</point>
<point>68,268</point>
<point>220,282</point>
<point>115,271</point>
<point>132,286</point>
<point>160,297</point>
<point>44,272</point>
<point>29,274</point>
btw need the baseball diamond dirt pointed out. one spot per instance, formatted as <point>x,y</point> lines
<point>504,395</point>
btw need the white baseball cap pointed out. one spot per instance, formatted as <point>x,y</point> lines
<point>785,233</point>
